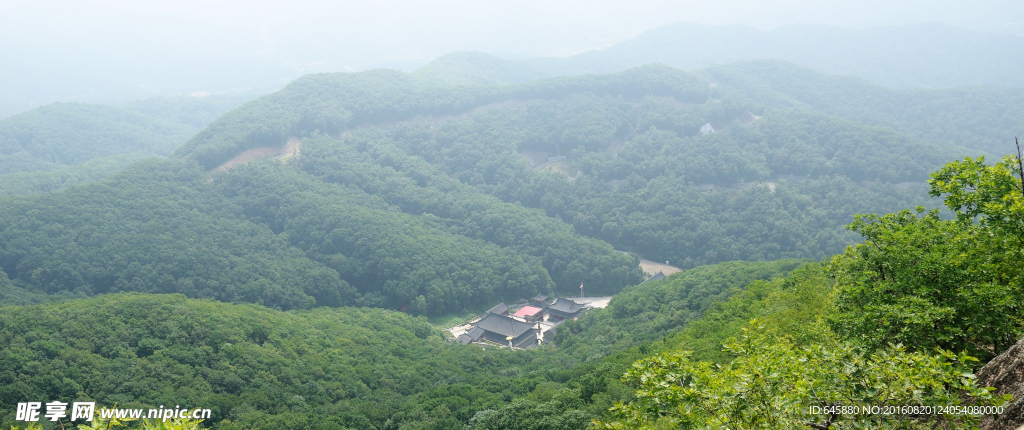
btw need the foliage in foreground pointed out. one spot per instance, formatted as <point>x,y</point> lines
<point>771,384</point>
<point>935,283</point>
<point>927,282</point>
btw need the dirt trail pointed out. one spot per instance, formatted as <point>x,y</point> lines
<point>289,149</point>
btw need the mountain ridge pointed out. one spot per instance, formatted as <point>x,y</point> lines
<point>905,56</point>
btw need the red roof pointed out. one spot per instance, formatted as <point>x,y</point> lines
<point>528,311</point>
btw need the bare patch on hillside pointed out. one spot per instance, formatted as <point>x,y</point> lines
<point>560,167</point>
<point>283,152</point>
<point>748,119</point>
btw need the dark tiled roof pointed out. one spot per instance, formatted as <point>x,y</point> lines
<point>540,297</point>
<point>464,339</point>
<point>500,308</point>
<point>475,333</point>
<point>503,325</point>
<point>565,305</point>
<point>528,341</point>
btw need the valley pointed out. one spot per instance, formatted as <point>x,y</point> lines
<point>281,261</point>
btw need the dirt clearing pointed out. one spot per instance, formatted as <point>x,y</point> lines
<point>288,150</point>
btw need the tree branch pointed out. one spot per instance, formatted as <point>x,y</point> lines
<point>1020,165</point>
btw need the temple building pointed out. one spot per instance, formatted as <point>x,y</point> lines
<point>563,309</point>
<point>530,314</point>
<point>497,328</point>
<point>500,309</point>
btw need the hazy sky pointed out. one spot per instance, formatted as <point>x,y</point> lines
<point>96,50</point>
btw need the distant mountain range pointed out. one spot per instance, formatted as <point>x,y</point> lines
<point>907,56</point>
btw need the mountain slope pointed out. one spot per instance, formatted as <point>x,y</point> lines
<point>196,111</point>
<point>344,368</point>
<point>982,118</point>
<point>21,183</point>
<point>268,234</point>
<point>438,198</point>
<point>332,102</point>
<point>906,56</point>
<point>332,368</point>
<point>64,134</point>
<point>83,142</point>
<point>779,179</point>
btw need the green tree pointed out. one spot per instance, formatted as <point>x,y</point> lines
<point>927,282</point>
<point>992,195</point>
<point>560,413</point>
<point>771,384</point>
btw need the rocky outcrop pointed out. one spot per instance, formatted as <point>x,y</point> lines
<point>1006,374</point>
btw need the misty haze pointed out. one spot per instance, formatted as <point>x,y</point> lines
<point>511,215</point>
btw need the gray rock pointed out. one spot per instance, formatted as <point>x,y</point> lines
<point>1006,374</point>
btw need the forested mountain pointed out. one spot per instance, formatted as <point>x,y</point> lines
<point>880,329</point>
<point>409,194</point>
<point>404,192</point>
<point>979,118</point>
<point>21,183</point>
<point>255,367</point>
<point>267,234</point>
<point>328,368</point>
<point>365,368</point>
<point>64,144</point>
<point>975,117</point>
<point>778,179</point>
<point>65,134</point>
<point>513,182</point>
<point>195,110</point>
<point>906,56</point>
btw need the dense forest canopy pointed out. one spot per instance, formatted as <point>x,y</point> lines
<point>979,118</point>
<point>22,183</point>
<point>325,368</point>
<point>332,102</point>
<point>255,367</point>
<point>270,235</point>
<point>63,144</point>
<point>258,288</point>
<point>64,134</point>
<point>643,314</point>
<point>443,207</point>
<point>633,145</point>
